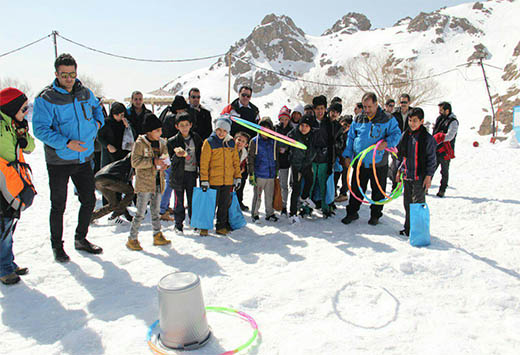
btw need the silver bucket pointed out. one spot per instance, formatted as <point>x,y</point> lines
<point>182,315</point>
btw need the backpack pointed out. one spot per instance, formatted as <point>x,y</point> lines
<point>16,182</point>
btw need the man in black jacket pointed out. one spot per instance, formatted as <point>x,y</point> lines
<point>135,113</point>
<point>200,117</point>
<point>111,180</point>
<point>445,132</point>
<point>245,109</point>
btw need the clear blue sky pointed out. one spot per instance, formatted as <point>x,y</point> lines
<point>160,30</point>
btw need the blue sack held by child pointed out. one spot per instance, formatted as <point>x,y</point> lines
<point>419,224</point>
<point>203,208</point>
<point>236,218</point>
<point>331,190</point>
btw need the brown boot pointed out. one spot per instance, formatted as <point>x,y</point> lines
<point>166,217</point>
<point>10,279</point>
<point>133,244</point>
<point>158,239</point>
<point>222,231</point>
<point>203,233</point>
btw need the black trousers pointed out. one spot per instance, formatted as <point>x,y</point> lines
<point>366,174</point>
<point>414,192</point>
<point>445,172</point>
<point>223,204</point>
<point>83,179</point>
<point>297,176</point>
<point>189,182</point>
<point>240,191</point>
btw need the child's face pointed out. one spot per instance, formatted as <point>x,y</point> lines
<point>155,134</point>
<point>221,133</point>
<point>320,111</point>
<point>184,127</point>
<point>296,116</point>
<point>284,120</point>
<point>415,123</point>
<point>304,128</point>
<point>334,115</point>
<point>241,142</point>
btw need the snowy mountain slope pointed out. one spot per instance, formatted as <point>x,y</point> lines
<point>437,42</point>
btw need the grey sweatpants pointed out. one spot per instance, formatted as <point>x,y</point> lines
<point>266,186</point>
<point>283,175</point>
<point>143,198</point>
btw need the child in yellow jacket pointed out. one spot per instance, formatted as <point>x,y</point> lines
<point>220,170</point>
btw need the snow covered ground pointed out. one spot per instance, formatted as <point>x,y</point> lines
<point>316,287</point>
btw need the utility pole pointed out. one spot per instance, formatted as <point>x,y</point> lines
<point>490,99</point>
<point>54,33</point>
<point>229,79</point>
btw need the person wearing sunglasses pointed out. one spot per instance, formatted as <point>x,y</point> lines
<point>368,128</point>
<point>66,118</point>
<point>14,134</point>
<point>200,116</point>
<point>401,113</point>
<point>243,108</point>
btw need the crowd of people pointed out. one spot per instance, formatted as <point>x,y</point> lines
<point>145,159</point>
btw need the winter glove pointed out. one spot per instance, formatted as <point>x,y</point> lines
<point>237,182</point>
<point>21,127</point>
<point>252,179</point>
<point>204,185</point>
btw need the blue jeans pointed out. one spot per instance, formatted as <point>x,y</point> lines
<point>167,194</point>
<point>7,264</point>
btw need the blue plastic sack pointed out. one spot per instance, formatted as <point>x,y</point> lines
<point>330,187</point>
<point>203,208</point>
<point>419,224</point>
<point>236,218</point>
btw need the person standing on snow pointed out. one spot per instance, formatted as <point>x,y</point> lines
<point>200,116</point>
<point>369,127</point>
<point>135,113</point>
<point>445,133</point>
<point>243,108</point>
<point>14,135</point>
<point>66,118</point>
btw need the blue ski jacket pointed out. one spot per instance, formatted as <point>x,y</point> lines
<point>60,116</point>
<point>365,132</point>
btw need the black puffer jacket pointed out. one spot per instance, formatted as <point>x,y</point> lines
<point>300,158</point>
<point>120,170</point>
<point>201,119</point>
<point>177,175</point>
<point>283,158</point>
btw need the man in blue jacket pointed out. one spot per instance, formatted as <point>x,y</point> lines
<point>66,118</point>
<point>369,127</point>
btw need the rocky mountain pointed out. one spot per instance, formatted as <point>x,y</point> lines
<point>349,24</point>
<point>285,66</point>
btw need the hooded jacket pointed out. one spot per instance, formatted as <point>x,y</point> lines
<point>416,152</point>
<point>219,162</point>
<point>262,158</point>
<point>365,132</point>
<point>143,163</point>
<point>301,158</point>
<point>177,172</point>
<point>60,116</point>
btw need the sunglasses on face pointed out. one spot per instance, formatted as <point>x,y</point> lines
<point>390,105</point>
<point>195,97</point>
<point>71,75</point>
<point>24,110</point>
<point>246,95</point>
<point>404,102</point>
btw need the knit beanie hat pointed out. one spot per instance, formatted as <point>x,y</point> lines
<point>307,119</point>
<point>336,107</point>
<point>179,103</point>
<point>299,108</point>
<point>319,100</point>
<point>223,122</point>
<point>284,112</point>
<point>266,122</point>
<point>11,101</point>
<point>117,108</point>
<point>151,122</point>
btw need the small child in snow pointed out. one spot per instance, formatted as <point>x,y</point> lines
<point>284,127</point>
<point>220,170</point>
<point>150,160</point>
<point>241,141</point>
<point>262,164</point>
<point>417,160</point>
<point>184,149</point>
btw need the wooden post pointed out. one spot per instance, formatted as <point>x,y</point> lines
<point>54,33</point>
<point>490,99</point>
<point>229,79</point>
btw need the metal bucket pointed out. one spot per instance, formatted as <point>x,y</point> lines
<point>182,315</point>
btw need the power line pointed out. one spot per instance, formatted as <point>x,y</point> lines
<point>348,85</point>
<point>139,59</point>
<point>27,45</point>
